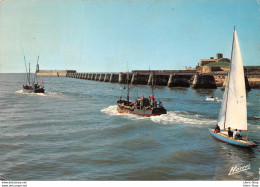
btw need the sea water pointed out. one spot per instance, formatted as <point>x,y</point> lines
<point>74,132</point>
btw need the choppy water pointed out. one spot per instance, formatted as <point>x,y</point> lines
<point>73,132</point>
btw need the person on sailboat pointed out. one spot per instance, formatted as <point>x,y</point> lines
<point>230,133</point>
<point>217,129</point>
<point>237,135</point>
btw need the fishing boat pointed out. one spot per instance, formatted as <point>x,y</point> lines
<point>142,106</point>
<point>32,86</point>
<point>233,112</point>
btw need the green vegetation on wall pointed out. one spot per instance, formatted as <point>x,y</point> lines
<point>219,64</point>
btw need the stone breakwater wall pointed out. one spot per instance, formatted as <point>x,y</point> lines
<point>54,73</point>
<point>254,81</point>
<point>170,78</point>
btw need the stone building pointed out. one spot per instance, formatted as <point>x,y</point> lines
<point>219,58</point>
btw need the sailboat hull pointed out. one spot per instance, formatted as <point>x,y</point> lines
<point>224,138</point>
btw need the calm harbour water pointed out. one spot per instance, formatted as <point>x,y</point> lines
<point>73,132</point>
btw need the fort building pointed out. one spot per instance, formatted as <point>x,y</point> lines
<point>219,59</point>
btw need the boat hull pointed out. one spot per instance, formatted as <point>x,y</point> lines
<point>39,90</point>
<point>141,112</point>
<point>30,89</point>
<point>224,138</point>
<point>34,91</point>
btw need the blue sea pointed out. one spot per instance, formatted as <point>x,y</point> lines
<point>73,132</point>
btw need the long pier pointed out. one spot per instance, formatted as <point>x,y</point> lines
<point>170,78</point>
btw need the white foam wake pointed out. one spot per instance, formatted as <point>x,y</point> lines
<point>218,100</point>
<point>169,118</point>
<point>39,94</point>
<point>209,99</point>
<point>175,117</point>
<point>112,111</point>
<point>213,99</point>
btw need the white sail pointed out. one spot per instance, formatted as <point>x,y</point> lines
<point>221,116</point>
<point>233,112</point>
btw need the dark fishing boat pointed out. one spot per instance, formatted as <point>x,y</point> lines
<point>142,106</point>
<point>32,86</point>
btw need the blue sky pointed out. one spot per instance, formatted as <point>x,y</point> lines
<point>103,35</point>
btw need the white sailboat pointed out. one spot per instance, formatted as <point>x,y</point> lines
<point>233,112</point>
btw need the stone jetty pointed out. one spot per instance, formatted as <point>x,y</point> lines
<point>170,78</point>
<point>248,87</point>
<point>114,78</point>
<point>54,73</point>
<point>139,79</point>
<point>204,82</point>
<point>101,77</point>
<point>107,77</point>
<point>179,81</point>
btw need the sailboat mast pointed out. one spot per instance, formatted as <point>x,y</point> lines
<point>227,86</point>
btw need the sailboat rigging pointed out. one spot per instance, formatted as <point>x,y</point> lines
<point>233,111</point>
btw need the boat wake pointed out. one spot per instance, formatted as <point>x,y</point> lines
<point>169,118</point>
<point>46,94</point>
<point>213,99</point>
<point>112,111</point>
<point>177,117</point>
<point>209,99</point>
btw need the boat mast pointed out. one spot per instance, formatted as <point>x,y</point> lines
<point>127,78</point>
<point>227,86</point>
<point>35,76</point>
<point>152,90</point>
<point>127,81</point>
<point>152,86</point>
<point>25,63</point>
<point>29,75</point>
<point>26,68</point>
